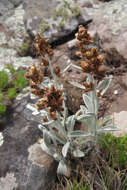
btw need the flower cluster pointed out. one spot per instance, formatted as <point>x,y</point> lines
<point>34,74</point>
<point>43,48</point>
<point>91,61</point>
<point>53,99</point>
<point>50,97</point>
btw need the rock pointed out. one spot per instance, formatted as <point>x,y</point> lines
<point>42,166</point>
<point>120,120</point>
<point>16,2</point>
<point>5,5</point>
<point>23,166</point>
<point>12,34</point>
<point>89,9</point>
<point>110,27</point>
<point>8,182</point>
<point>14,29</point>
<point>56,19</point>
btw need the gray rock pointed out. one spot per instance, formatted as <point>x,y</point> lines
<point>90,8</point>
<point>42,166</point>
<point>16,2</point>
<point>110,26</point>
<point>23,166</point>
<point>12,34</point>
<point>54,18</point>
<point>120,120</point>
<point>5,5</point>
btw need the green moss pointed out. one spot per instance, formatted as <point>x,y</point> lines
<point>24,47</point>
<point>12,70</point>
<point>8,66</point>
<point>75,11</point>
<point>3,79</point>
<point>2,109</point>
<point>10,89</point>
<point>1,97</point>
<point>61,11</point>
<point>44,26</point>
<point>11,93</point>
<point>20,82</point>
<point>61,24</point>
<point>115,149</point>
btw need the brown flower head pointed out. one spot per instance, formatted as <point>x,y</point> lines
<point>53,100</point>
<point>35,74</point>
<point>43,46</point>
<point>56,70</point>
<point>91,61</point>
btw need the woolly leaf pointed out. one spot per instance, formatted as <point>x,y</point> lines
<point>78,153</point>
<point>70,122</point>
<point>62,168</point>
<point>107,119</point>
<point>88,102</point>
<point>78,134</point>
<point>78,85</point>
<point>104,84</point>
<point>57,137</point>
<point>65,149</point>
<point>107,128</point>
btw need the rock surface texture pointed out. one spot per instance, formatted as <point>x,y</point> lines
<point>110,27</point>
<point>23,166</point>
<point>56,19</point>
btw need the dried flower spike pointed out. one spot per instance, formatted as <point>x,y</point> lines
<point>91,61</point>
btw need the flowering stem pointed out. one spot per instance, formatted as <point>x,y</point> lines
<point>52,73</point>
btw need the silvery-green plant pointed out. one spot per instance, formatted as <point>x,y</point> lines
<point>1,139</point>
<point>60,137</point>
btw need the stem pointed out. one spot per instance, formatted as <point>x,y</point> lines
<point>52,73</point>
<point>93,102</point>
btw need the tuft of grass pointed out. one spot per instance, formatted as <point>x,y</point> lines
<point>11,93</point>
<point>115,149</point>
<point>2,109</point>
<point>1,96</point>
<point>3,79</point>
<point>81,187</point>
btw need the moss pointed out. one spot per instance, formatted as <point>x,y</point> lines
<point>61,24</point>
<point>3,79</point>
<point>61,11</point>
<point>1,97</point>
<point>11,93</point>
<point>24,47</point>
<point>2,109</point>
<point>12,70</point>
<point>10,89</point>
<point>66,11</point>
<point>115,149</point>
<point>44,26</point>
<point>75,11</point>
<point>20,82</point>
